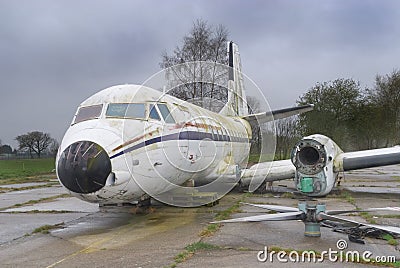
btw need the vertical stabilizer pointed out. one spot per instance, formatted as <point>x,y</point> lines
<point>236,104</point>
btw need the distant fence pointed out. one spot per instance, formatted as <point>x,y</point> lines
<point>24,156</point>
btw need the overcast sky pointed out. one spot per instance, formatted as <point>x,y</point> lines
<point>54,54</point>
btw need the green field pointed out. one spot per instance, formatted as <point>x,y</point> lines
<point>256,158</point>
<point>22,170</point>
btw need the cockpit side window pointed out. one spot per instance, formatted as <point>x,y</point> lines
<point>165,113</point>
<point>126,110</point>
<point>153,113</point>
<point>116,110</point>
<point>88,112</point>
<point>136,110</point>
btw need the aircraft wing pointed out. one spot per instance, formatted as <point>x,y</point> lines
<point>368,159</point>
<point>268,171</point>
<point>277,114</point>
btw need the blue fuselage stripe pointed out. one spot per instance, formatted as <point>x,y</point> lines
<point>186,135</point>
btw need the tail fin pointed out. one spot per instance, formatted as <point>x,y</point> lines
<point>237,103</point>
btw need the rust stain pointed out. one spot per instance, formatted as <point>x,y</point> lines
<point>201,125</point>
<point>134,140</point>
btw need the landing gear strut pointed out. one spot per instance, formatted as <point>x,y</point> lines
<point>144,205</point>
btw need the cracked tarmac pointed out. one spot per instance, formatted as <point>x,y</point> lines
<point>91,237</point>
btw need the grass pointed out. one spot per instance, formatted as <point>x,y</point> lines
<point>12,189</point>
<point>22,170</point>
<point>26,170</point>
<point>288,195</point>
<point>256,158</point>
<point>41,212</point>
<point>348,197</point>
<point>191,249</point>
<point>390,216</point>
<point>200,246</point>
<point>397,178</point>
<point>225,214</point>
<point>45,229</point>
<point>18,180</point>
<point>390,239</point>
<point>32,202</point>
<point>210,229</point>
<point>368,217</point>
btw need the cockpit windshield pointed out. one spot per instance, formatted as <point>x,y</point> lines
<point>165,113</point>
<point>142,111</point>
<point>153,113</point>
<point>158,110</point>
<point>88,112</point>
<point>126,110</point>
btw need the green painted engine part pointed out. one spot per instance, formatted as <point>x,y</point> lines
<point>306,185</point>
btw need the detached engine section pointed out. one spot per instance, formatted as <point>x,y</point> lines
<point>315,163</point>
<point>313,158</point>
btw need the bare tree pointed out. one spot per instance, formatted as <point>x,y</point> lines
<point>25,143</point>
<point>35,142</point>
<point>254,107</point>
<point>287,135</point>
<point>53,147</point>
<point>198,80</point>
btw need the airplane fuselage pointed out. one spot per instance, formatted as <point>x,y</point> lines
<point>129,141</point>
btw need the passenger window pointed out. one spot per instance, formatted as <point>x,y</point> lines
<point>165,113</point>
<point>153,112</point>
<point>88,112</point>
<point>219,137</point>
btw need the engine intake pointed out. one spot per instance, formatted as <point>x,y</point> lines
<point>309,156</point>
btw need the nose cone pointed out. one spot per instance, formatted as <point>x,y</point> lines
<point>83,167</point>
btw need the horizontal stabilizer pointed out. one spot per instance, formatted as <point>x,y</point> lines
<point>277,114</point>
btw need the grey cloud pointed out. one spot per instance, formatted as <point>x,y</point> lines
<point>54,54</point>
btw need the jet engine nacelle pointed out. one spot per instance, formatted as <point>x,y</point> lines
<point>313,158</point>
